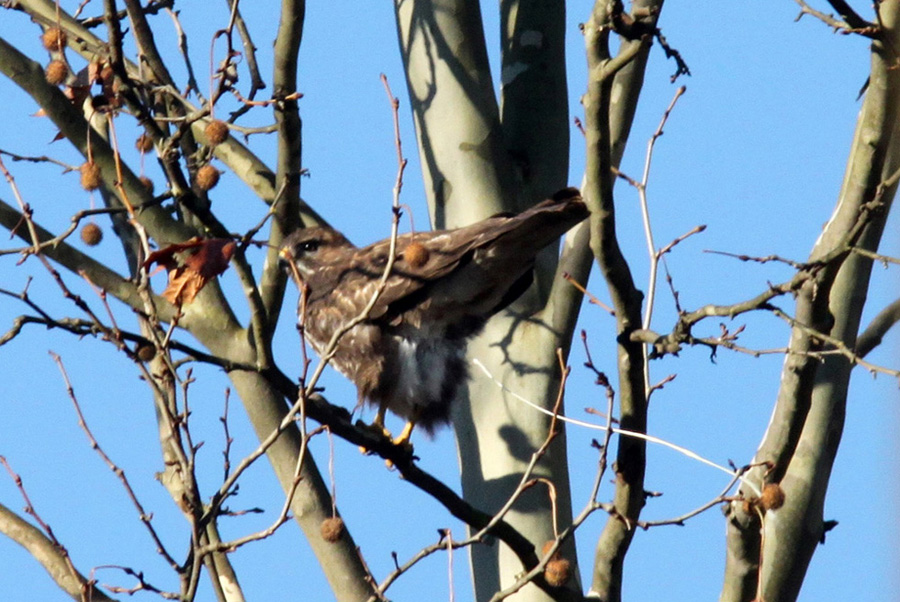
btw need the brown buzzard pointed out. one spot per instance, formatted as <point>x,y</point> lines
<point>407,356</point>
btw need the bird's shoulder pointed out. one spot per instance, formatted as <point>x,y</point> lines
<point>421,259</point>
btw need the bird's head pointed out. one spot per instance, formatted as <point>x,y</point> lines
<point>306,250</point>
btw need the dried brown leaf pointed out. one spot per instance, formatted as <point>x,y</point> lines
<point>187,278</point>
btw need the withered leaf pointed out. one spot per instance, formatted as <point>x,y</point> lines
<point>187,278</point>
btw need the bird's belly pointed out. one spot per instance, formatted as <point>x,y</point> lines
<point>415,377</point>
<point>358,355</point>
<point>425,377</point>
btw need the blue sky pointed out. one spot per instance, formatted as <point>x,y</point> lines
<point>755,150</point>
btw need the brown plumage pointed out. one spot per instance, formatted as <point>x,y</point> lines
<point>408,354</point>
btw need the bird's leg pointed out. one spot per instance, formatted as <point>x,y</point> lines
<point>378,423</point>
<point>377,427</point>
<point>403,437</point>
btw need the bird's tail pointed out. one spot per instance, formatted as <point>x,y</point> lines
<point>540,225</point>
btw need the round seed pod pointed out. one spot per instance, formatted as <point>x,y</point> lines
<point>54,39</point>
<point>772,497</point>
<point>332,528</point>
<point>415,254</point>
<point>216,132</point>
<point>91,234</point>
<point>91,176</point>
<point>207,177</point>
<point>144,143</point>
<point>557,572</point>
<point>56,72</point>
<point>146,353</point>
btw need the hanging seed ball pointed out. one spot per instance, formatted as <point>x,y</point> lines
<point>416,254</point>
<point>146,353</point>
<point>54,39</point>
<point>557,572</point>
<point>91,177</point>
<point>144,143</point>
<point>772,497</point>
<point>56,72</point>
<point>207,177</point>
<point>147,182</point>
<point>91,234</point>
<point>332,528</point>
<point>216,132</point>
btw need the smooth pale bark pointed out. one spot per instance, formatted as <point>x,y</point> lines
<point>805,430</point>
<point>534,106</point>
<point>467,173</point>
<point>470,173</point>
<point>340,561</point>
<point>521,156</point>
<point>534,96</point>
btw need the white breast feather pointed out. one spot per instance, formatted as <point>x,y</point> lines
<point>422,371</point>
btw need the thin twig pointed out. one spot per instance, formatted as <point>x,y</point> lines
<point>619,431</point>
<point>884,259</point>
<point>860,26</point>
<point>591,298</point>
<point>525,483</point>
<point>85,586</point>
<point>839,346</point>
<point>226,452</point>
<point>768,258</point>
<point>95,445</point>
<point>648,232</point>
<point>332,348</point>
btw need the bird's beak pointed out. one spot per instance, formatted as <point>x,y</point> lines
<point>287,259</point>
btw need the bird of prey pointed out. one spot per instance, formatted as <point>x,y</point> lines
<point>407,353</point>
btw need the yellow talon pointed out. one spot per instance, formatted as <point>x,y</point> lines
<point>377,427</point>
<point>379,421</point>
<point>403,438</point>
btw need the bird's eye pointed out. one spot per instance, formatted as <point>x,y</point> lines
<point>308,246</point>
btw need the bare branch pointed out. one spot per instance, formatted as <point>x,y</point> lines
<point>885,259</point>
<point>871,337</point>
<point>626,299</point>
<point>768,258</point>
<point>287,177</point>
<point>143,515</point>
<point>654,254</point>
<point>839,346</point>
<point>44,547</point>
<point>680,520</point>
<point>852,22</point>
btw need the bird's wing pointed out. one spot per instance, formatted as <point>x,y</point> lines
<point>421,259</point>
<point>505,245</point>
